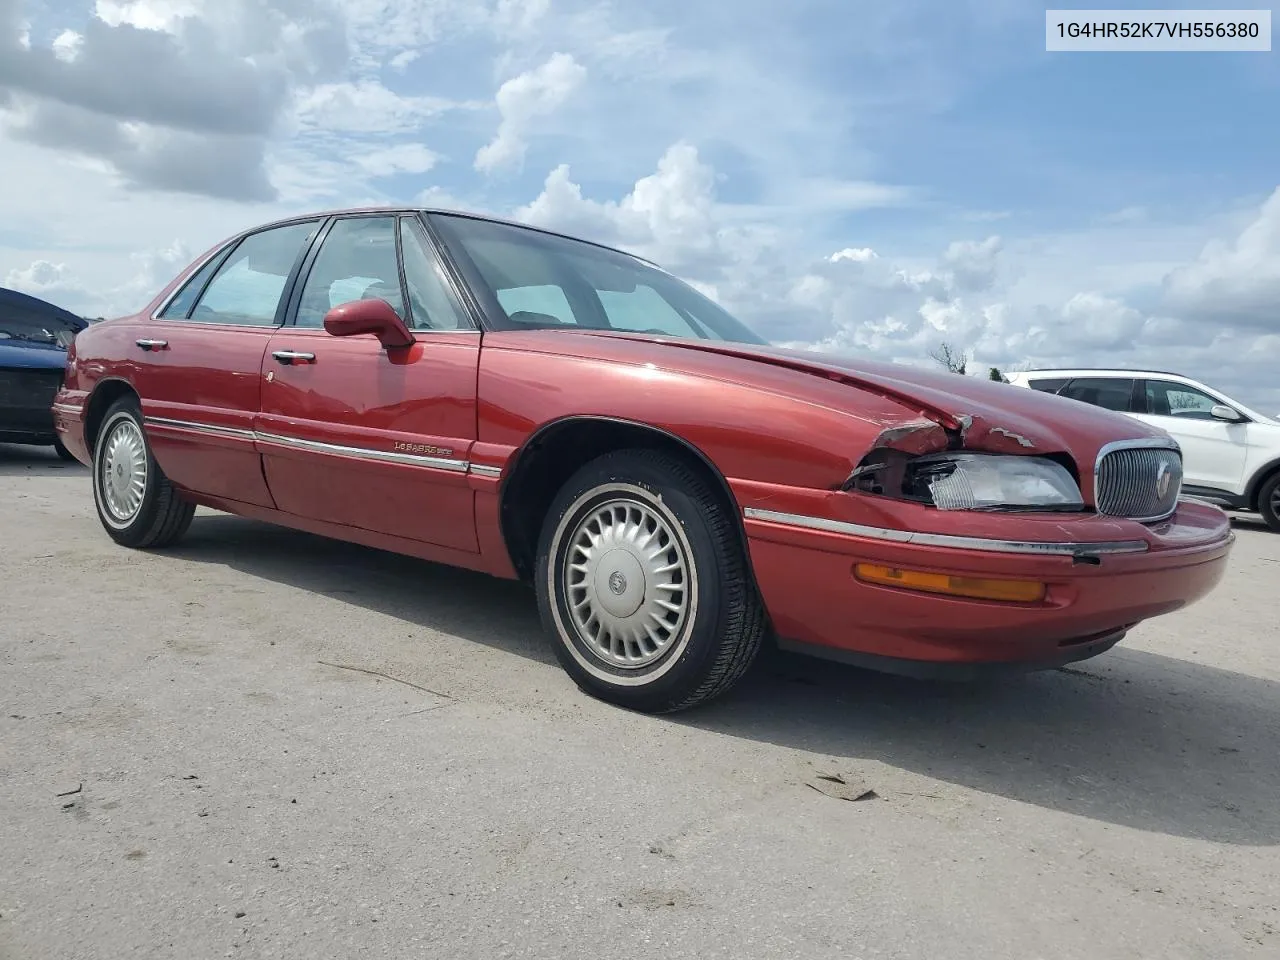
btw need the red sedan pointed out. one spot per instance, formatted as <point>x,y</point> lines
<point>511,400</point>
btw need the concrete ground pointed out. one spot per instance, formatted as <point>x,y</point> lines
<point>195,763</point>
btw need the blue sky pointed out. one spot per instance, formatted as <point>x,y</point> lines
<point>1032,208</point>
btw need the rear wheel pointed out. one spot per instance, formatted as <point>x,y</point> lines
<point>137,504</point>
<point>1269,502</point>
<point>643,584</point>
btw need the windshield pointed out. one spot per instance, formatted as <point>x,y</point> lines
<point>31,327</point>
<point>542,281</point>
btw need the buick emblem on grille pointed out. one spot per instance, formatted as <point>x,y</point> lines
<point>1163,478</point>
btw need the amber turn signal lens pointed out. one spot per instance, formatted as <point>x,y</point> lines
<point>979,588</point>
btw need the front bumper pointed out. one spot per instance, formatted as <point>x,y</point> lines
<point>1096,589</point>
<point>68,421</point>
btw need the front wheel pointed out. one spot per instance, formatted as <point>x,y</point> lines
<point>1269,502</point>
<point>137,504</point>
<point>643,583</point>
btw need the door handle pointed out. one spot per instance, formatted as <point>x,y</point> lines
<point>147,344</point>
<point>288,357</point>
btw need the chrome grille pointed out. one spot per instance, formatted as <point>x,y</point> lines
<point>1139,480</point>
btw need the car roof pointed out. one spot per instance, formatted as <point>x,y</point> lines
<point>1097,372</point>
<point>444,211</point>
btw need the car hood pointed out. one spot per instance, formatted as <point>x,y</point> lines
<point>984,414</point>
<point>23,355</point>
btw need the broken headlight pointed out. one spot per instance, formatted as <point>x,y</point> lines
<point>976,481</point>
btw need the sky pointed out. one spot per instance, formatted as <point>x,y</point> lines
<point>867,178</point>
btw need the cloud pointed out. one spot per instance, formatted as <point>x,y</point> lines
<point>178,96</point>
<point>973,263</point>
<point>668,215</point>
<point>149,272</point>
<point>521,101</point>
<point>1234,280</point>
<point>366,107</point>
<point>43,279</point>
<point>401,158</point>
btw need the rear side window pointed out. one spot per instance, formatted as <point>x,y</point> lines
<point>246,289</point>
<point>1048,386</point>
<point>1110,393</point>
<point>180,306</point>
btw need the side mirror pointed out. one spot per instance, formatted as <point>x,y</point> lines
<point>1220,411</point>
<point>368,316</point>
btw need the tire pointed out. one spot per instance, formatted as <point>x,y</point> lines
<point>63,453</point>
<point>702,641</point>
<point>149,512</point>
<point>1269,502</point>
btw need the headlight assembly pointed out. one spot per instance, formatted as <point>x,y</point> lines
<point>976,481</point>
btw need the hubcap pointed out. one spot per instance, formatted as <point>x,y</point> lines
<point>124,471</point>
<point>627,583</point>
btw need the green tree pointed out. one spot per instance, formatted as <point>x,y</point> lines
<point>996,375</point>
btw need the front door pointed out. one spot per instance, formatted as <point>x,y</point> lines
<point>200,364</point>
<point>353,433</point>
<point>1213,451</point>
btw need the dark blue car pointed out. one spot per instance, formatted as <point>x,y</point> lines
<point>34,336</point>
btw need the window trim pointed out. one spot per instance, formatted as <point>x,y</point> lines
<point>226,251</point>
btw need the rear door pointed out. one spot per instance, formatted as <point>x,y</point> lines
<point>358,434</point>
<point>1213,451</point>
<point>199,363</point>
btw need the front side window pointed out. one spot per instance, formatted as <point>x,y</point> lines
<point>357,261</point>
<point>432,305</point>
<point>246,289</point>
<point>1110,393</point>
<point>542,281</point>
<point>1168,399</point>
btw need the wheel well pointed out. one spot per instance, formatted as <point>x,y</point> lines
<point>1255,488</point>
<point>556,452</point>
<point>100,401</point>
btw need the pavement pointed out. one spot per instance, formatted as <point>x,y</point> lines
<point>267,744</point>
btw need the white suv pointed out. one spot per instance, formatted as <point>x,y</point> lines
<point>1231,454</point>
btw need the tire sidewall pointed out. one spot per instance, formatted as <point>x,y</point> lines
<point>136,527</point>
<point>685,665</point>
<point>1264,503</point>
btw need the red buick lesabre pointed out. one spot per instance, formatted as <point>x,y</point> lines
<point>493,396</point>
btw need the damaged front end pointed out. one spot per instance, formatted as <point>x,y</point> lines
<point>960,463</point>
